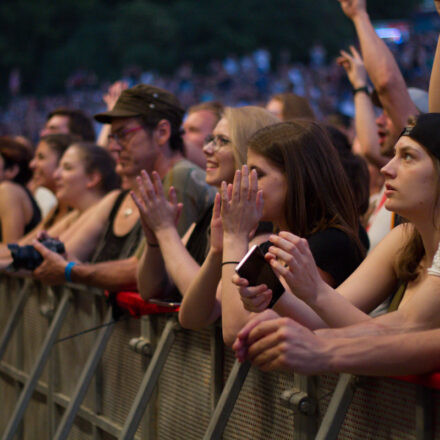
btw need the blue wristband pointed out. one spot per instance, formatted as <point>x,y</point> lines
<point>68,271</point>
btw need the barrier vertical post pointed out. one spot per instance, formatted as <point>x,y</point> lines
<point>14,316</point>
<point>337,408</point>
<point>227,400</point>
<point>149,380</point>
<point>38,367</point>
<point>85,379</point>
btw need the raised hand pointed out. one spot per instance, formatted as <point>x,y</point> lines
<point>114,92</point>
<point>352,8</point>
<point>242,203</point>
<point>155,210</point>
<point>354,67</point>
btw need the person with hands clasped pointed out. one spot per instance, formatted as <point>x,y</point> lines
<point>169,264</point>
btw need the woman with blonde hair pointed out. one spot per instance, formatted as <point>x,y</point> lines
<point>169,264</point>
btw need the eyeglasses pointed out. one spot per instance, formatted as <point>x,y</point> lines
<point>120,137</point>
<point>217,141</point>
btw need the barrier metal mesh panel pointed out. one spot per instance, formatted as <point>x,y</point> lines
<point>122,370</point>
<point>381,408</point>
<point>257,413</point>
<point>184,388</point>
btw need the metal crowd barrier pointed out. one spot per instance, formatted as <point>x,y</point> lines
<point>148,378</point>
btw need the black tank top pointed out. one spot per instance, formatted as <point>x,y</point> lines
<point>116,247</point>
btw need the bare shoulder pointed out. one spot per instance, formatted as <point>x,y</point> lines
<point>104,206</point>
<point>9,190</point>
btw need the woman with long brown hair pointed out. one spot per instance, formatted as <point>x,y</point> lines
<point>295,180</point>
<point>399,266</point>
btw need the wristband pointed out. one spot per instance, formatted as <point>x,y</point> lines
<point>68,271</point>
<point>229,262</point>
<point>361,89</point>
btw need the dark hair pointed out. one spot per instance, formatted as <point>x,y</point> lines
<point>151,121</point>
<point>294,106</point>
<point>15,153</point>
<point>59,143</point>
<point>355,167</point>
<point>79,123</point>
<point>96,158</point>
<point>318,191</point>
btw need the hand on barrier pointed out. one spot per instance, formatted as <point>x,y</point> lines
<point>274,343</point>
<point>242,203</point>
<point>155,210</point>
<point>291,258</point>
<point>52,270</point>
<point>254,298</point>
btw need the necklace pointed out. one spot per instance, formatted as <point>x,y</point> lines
<point>128,212</point>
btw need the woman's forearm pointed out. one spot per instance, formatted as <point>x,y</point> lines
<point>200,306</point>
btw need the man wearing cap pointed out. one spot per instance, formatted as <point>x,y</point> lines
<point>145,132</point>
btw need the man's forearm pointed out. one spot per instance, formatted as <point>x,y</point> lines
<point>111,275</point>
<point>385,355</point>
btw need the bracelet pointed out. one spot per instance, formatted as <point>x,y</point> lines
<point>68,271</point>
<point>229,262</point>
<point>361,89</point>
<point>153,244</point>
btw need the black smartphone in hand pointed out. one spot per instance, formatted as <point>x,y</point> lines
<point>254,268</point>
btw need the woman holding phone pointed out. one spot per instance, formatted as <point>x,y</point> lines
<point>294,179</point>
<point>404,265</point>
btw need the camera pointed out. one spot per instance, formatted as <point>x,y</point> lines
<point>27,257</point>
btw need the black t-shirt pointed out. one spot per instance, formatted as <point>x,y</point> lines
<point>334,252</point>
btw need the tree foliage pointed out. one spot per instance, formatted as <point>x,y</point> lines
<point>49,40</point>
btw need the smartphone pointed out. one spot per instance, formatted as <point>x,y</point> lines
<point>254,268</point>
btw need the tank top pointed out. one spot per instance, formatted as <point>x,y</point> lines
<point>116,247</point>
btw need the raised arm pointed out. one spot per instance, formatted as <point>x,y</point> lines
<point>201,301</point>
<point>365,119</point>
<point>165,254</point>
<point>434,83</point>
<point>381,65</point>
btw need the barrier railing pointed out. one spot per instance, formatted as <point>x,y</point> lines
<point>149,379</point>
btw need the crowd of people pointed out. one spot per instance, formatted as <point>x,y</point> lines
<point>345,215</point>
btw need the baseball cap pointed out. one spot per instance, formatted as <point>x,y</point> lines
<point>426,131</point>
<point>418,96</point>
<point>150,102</point>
